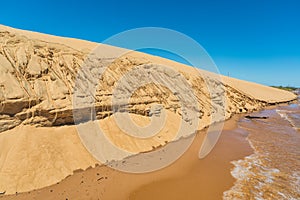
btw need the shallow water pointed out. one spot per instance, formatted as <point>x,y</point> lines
<point>273,171</point>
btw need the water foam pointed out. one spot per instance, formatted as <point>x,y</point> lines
<point>292,117</point>
<point>261,175</point>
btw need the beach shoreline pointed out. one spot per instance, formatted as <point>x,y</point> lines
<point>207,178</point>
<point>232,134</point>
<point>40,144</point>
<point>77,185</point>
<point>100,181</point>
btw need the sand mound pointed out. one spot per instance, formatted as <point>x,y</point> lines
<point>37,77</point>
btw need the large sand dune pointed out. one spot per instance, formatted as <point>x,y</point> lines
<point>39,145</point>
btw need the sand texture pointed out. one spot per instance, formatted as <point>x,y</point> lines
<point>39,144</point>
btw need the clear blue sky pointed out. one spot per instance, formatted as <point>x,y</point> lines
<point>255,40</point>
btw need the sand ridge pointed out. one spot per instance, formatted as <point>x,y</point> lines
<point>37,77</point>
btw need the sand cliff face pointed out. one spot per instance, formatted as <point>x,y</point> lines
<point>37,78</point>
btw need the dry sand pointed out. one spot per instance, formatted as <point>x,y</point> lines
<point>187,178</point>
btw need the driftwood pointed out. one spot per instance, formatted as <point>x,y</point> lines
<point>255,117</point>
<point>2,193</point>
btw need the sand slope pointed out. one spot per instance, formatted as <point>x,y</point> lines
<point>37,77</point>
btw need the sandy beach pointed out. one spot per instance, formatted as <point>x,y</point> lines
<point>191,177</point>
<point>44,151</point>
<point>207,178</point>
<point>188,178</point>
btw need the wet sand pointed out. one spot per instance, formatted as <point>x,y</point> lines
<point>187,178</point>
<point>202,179</point>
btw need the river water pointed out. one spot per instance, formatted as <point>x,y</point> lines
<point>273,171</point>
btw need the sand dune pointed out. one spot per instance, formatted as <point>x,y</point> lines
<point>39,145</point>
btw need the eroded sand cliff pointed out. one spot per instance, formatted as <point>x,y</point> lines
<point>39,145</point>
